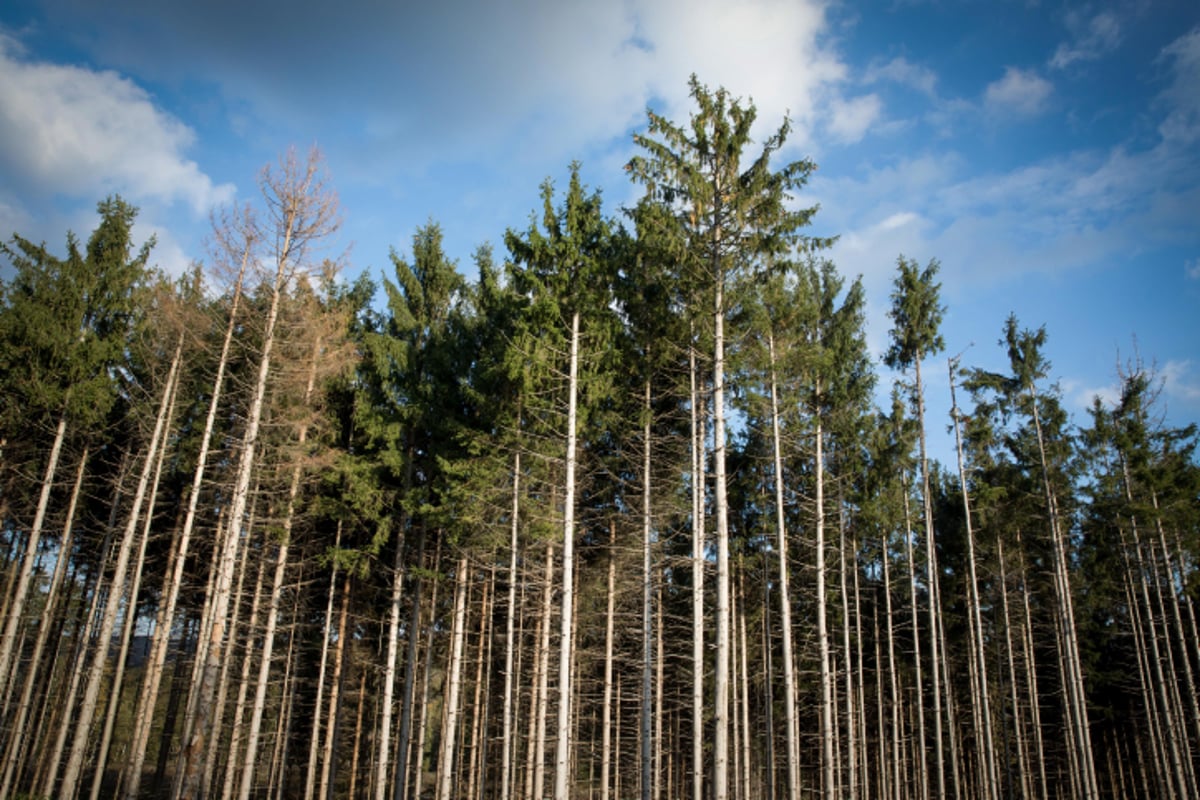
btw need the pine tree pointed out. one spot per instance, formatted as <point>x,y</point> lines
<point>732,217</point>
<point>565,273</point>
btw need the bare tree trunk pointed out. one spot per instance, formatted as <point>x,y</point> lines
<point>173,582</point>
<point>785,594</point>
<point>16,606</point>
<point>647,755</point>
<point>699,465</point>
<point>507,748</point>
<point>543,676</point>
<point>49,770</point>
<point>745,669</point>
<point>239,707</point>
<point>477,705</point>
<point>1024,775</point>
<point>393,646</point>
<point>358,731</point>
<point>281,560</point>
<point>1073,679</point>
<point>277,780</point>
<point>851,710</point>
<point>1169,736</point>
<point>919,683</point>
<point>856,607</point>
<point>658,698</point>
<point>896,744</point>
<point>135,587</point>
<point>454,672</point>
<point>87,709</point>
<point>208,671</point>
<point>567,615</point>
<point>213,751</point>
<point>419,754</point>
<point>721,502</point>
<point>828,781</point>
<point>314,741</point>
<point>935,637</point>
<point>328,776</point>
<point>983,717</point>
<point>410,664</point>
<point>17,742</point>
<point>606,754</point>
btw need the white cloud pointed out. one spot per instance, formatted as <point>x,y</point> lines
<point>1092,39</point>
<point>1080,394</point>
<point>1179,382</point>
<point>74,131</point>
<point>851,119</point>
<point>525,81</point>
<point>1182,123</point>
<point>903,72</point>
<point>1020,91</point>
<point>1192,269</point>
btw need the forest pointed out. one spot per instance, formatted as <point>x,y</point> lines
<point>622,516</point>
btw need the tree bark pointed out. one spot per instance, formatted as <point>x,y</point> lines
<point>454,673</point>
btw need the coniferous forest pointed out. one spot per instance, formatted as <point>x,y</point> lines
<point>621,517</point>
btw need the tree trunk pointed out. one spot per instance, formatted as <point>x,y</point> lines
<point>699,464</point>
<point>647,757</point>
<point>173,582</point>
<point>192,787</point>
<point>792,765</point>
<point>314,741</point>
<point>410,665</point>
<point>507,743</point>
<point>1073,688</point>
<point>328,773</point>
<point>16,606</point>
<point>606,754</point>
<point>983,719</point>
<point>919,683</point>
<point>567,617</point>
<point>828,782</point>
<point>17,740</point>
<point>541,696</point>
<point>135,586</point>
<point>454,678</point>
<point>87,709</point>
<point>721,502</point>
<point>239,708</point>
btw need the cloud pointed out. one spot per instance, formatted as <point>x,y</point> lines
<point>1080,394</point>
<point>851,119</point>
<point>1179,381</point>
<point>1182,123</point>
<point>1091,40</point>
<point>903,72</point>
<point>1192,269</point>
<point>1020,91</point>
<point>79,132</point>
<point>526,80</point>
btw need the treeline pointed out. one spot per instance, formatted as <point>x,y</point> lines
<point>619,518</point>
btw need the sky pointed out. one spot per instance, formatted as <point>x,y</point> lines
<point>1046,153</point>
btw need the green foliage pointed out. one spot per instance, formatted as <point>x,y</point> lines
<point>66,323</point>
<point>916,314</point>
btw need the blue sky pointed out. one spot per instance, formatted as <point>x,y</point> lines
<point>1048,154</point>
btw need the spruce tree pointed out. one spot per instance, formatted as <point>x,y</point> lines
<point>734,214</point>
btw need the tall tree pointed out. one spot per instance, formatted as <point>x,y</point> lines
<point>917,315</point>
<point>565,270</point>
<point>408,371</point>
<point>1049,448</point>
<point>301,211</point>
<point>734,214</point>
<point>65,325</point>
